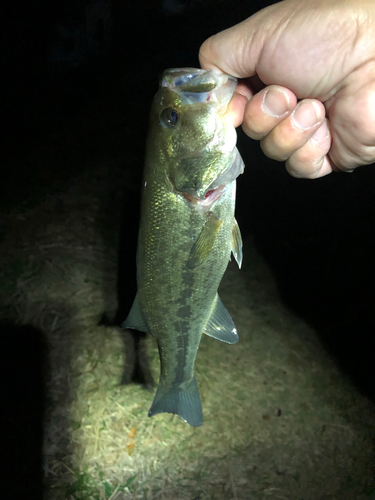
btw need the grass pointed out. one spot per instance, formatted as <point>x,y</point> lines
<point>86,486</point>
<point>281,420</point>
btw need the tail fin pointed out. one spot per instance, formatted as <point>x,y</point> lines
<point>186,403</point>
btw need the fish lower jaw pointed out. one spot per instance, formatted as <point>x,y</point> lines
<point>210,197</point>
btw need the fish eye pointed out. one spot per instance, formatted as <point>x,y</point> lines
<point>168,117</point>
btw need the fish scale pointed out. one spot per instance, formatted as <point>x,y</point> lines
<point>186,228</point>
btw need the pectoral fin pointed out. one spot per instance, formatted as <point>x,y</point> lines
<point>203,246</point>
<point>135,318</point>
<point>237,243</point>
<point>220,325</point>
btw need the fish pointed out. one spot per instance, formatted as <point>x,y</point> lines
<point>187,230</point>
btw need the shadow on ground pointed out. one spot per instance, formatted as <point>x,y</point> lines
<point>24,371</point>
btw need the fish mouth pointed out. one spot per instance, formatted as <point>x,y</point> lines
<point>209,199</point>
<point>207,196</point>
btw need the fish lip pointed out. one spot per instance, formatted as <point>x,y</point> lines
<point>214,193</point>
<point>211,196</point>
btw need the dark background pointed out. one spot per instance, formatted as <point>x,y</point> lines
<point>57,58</point>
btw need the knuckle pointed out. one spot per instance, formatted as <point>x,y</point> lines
<point>368,155</point>
<point>253,131</point>
<point>271,150</point>
<point>304,165</point>
<point>351,155</point>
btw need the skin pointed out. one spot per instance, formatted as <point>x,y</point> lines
<point>307,88</point>
<point>185,240</point>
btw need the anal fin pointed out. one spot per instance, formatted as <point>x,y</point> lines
<point>220,325</point>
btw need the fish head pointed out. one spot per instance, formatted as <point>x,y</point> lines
<point>192,136</point>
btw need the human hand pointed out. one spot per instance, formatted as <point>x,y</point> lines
<point>308,82</point>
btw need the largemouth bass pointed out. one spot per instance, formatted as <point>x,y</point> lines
<point>187,230</point>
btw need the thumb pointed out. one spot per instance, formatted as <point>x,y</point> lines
<point>237,50</point>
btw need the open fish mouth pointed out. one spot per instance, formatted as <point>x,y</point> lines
<point>205,197</point>
<point>206,201</point>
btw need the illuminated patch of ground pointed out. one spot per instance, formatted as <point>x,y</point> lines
<point>281,420</point>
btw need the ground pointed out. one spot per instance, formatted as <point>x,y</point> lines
<point>283,418</point>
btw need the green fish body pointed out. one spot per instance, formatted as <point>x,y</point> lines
<point>187,230</point>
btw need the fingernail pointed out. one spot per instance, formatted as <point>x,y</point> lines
<point>322,132</point>
<point>306,115</point>
<point>275,102</point>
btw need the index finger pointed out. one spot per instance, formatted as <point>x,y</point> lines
<point>237,105</point>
